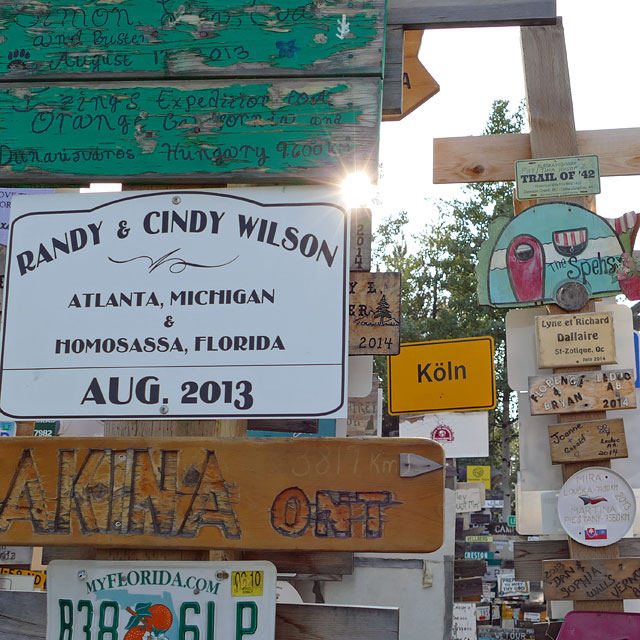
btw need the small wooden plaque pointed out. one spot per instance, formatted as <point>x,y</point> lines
<point>590,440</point>
<point>360,240</point>
<point>605,579</point>
<point>582,391</point>
<point>575,340</point>
<point>374,313</point>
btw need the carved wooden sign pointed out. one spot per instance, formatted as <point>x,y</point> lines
<point>224,131</point>
<point>62,39</point>
<point>175,304</point>
<point>287,494</point>
<point>532,258</point>
<point>591,440</point>
<point>585,391</point>
<point>360,240</point>
<point>374,313</point>
<point>596,579</point>
<point>575,340</point>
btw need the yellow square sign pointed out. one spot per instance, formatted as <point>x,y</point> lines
<point>442,375</point>
<point>479,473</point>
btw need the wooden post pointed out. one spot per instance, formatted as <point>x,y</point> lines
<point>158,428</point>
<point>553,134</point>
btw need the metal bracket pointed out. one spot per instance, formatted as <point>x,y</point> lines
<point>412,464</point>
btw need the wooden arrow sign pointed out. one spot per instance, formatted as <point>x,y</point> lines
<point>283,494</point>
<point>418,84</point>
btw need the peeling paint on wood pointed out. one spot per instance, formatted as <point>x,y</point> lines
<point>260,130</point>
<point>338,495</point>
<point>178,38</point>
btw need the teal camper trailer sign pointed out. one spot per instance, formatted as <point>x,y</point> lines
<point>551,249</point>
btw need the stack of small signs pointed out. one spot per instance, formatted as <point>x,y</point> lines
<point>596,506</point>
<point>562,253</point>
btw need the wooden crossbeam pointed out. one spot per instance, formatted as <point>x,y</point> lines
<point>491,158</point>
<point>447,14</point>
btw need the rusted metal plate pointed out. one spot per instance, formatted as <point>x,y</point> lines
<point>225,131</point>
<point>374,313</point>
<point>284,494</point>
<point>205,38</point>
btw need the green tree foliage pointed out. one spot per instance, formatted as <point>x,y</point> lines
<point>439,298</point>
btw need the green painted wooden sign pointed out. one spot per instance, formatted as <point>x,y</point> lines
<point>253,131</point>
<point>187,38</point>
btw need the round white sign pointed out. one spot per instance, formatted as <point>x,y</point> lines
<point>596,506</point>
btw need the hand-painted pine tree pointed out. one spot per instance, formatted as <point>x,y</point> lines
<point>382,310</point>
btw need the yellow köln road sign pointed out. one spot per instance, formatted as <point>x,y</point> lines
<point>443,375</point>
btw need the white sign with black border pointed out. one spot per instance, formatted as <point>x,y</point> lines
<point>160,601</point>
<point>176,304</point>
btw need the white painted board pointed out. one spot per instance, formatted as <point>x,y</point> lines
<point>462,434</point>
<point>176,304</point>
<point>596,506</point>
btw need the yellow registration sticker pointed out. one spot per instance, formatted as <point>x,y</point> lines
<point>247,583</point>
<point>39,577</point>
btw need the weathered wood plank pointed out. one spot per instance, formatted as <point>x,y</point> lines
<point>440,14</point>
<point>360,245</point>
<point>418,85</point>
<point>287,426</point>
<point>374,313</point>
<point>492,158</point>
<point>206,38</point>
<point>23,617</point>
<point>530,555</point>
<point>589,440</point>
<point>321,562</point>
<point>289,130</point>
<point>336,622</point>
<point>592,579</point>
<point>467,587</point>
<point>468,568</point>
<point>582,391</point>
<point>546,72</point>
<point>392,87</point>
<point>202,493</point>
<point>302,562</point>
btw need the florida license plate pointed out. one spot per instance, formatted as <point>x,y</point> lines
<point>106,600</point>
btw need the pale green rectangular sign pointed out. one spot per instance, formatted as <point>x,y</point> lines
<point>556,177</point>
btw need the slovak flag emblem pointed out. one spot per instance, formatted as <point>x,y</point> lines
<point>595,534</point>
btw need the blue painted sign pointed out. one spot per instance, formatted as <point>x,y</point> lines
<point>528,258</point>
